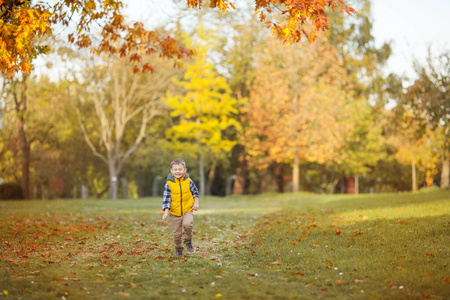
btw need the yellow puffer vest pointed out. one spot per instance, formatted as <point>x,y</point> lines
<point>180,194</point>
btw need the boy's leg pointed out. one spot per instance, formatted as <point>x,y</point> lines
<point>177,223</point>
<point>188,223</point>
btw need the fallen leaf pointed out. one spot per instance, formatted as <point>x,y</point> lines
<point>123,294</point>
<point>357,281</point>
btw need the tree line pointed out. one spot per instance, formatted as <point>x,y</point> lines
<point>248,113</point>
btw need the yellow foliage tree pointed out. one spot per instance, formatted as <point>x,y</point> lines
<point>204,112</point>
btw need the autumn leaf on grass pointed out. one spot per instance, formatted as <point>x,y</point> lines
<point>339,281</point>
<point>310,285</point>
<point>357,281</point>
<point>338,232</point>
<point>390,285</point>
<point>277,262</point>
<point>71,278</point>
<point>123,294</point>
<point>446,280</point>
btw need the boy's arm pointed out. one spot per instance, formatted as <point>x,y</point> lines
<point>166,201</point>
<point>195,194</point>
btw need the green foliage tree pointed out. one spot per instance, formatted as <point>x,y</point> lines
<point>428,100</point>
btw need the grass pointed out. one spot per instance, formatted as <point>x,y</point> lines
<point>276,246</point>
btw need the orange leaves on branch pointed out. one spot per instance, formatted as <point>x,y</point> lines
<point>20,26</point>
<point>23,23</point>
<point>301,17</point>
<point>19,29</point>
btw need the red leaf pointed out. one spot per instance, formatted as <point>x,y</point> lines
<point>123,294</point>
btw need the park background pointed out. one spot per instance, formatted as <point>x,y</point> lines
<point>247,113</point>
<point>332,153</point>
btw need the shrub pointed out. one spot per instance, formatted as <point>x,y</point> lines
<point>11,191</point>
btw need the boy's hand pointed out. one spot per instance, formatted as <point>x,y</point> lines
<point>195,206</point>
<point>166,212</point>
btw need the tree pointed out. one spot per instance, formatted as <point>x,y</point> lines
<point>362,59</point>
<point>205,111</point>
<point>364,146</point>
<point>26,106</point>
<point>19,100</point>
<point>298,107</point>
<point>119,97</point>
<point>428,99</point>
<point>240,62</point>
<point>23,21</point>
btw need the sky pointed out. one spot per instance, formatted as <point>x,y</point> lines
<point>412,26</point>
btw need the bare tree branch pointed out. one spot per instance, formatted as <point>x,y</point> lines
<point>86,137</point>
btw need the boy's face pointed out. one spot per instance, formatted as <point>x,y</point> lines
<point>178,170</point>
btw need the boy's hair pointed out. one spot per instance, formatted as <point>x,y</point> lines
<point>177,161</point>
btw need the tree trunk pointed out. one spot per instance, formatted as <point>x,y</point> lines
<point>296,174</point>
<point>211,176</point>
<point>356,184</point>
<point>25,148</point>
<point>445,174</point>
<point>113,184</point>
<point>140,182</point>
<point>202,175</point>
<point>343,185</point>
<point>414,180</point>
<point>279,179</point>
<point>124,182</point>
<point>241,173</point>
<point>21,108</point>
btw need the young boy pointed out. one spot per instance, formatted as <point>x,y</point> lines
<point>179,199</point>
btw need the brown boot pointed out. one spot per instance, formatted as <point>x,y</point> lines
<point>179,251</point>
<point>189,246</point>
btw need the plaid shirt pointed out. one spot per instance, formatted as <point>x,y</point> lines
<point>167,198</point>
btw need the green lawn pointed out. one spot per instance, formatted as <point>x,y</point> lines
<point>276,246</point>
